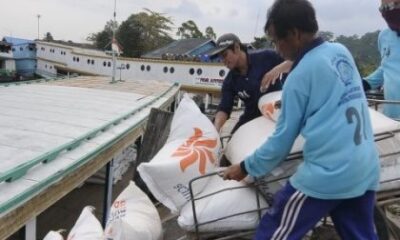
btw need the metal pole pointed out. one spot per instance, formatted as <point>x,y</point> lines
<point>108,188</point>
<point>38,32</point>
<point>112,41</point>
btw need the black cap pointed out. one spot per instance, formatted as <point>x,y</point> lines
<point>225,41</point>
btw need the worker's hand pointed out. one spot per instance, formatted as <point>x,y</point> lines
<point>275,74</point>
<point>269,79</point>
<point>234,172</point>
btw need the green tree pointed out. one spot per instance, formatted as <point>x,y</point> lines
<point>209,33</point>
<point>138,34</point>
<point>262,42</point>
<point>189,29</point>
<point>102,39</point>
<point>364,50</point>
<point>326,35</point>
<point>48,37</point>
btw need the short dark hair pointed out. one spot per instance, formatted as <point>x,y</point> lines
<point>286,15</point>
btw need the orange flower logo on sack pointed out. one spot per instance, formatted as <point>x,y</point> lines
<point>268,109</point>
<point>196,148</point>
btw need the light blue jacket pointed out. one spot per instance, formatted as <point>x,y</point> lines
<point>388,73</point>
<point>323,100</point>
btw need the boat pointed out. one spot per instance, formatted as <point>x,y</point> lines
<point>56,143</point>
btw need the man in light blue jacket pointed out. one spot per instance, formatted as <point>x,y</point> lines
<point>322,100</point>
<point>388,73</point>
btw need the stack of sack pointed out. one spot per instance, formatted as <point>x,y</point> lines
<point>132,216</point>
<point>87,227</point>
<point>192,150</point>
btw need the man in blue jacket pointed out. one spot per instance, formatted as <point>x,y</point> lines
<point>244,78</point>
<point>322,100</point>
<point>388,73</point>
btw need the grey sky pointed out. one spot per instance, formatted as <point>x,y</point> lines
<point>76,19</point>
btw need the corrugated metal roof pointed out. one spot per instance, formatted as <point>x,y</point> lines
<point>184,46</point>
<point>17,41</point>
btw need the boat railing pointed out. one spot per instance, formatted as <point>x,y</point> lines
<point>383,199</point>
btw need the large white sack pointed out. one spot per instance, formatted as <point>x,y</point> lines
<point>252,135</point>
<point>133,216</point>
<point>53,235</point>
<point>390,163</point>
<point>381,123</point>
<point>87,227</point>
<point>192,149</point>
<point>269,105</point>
<point>221,205</point>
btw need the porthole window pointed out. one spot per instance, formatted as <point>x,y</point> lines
<point>191,71</point>
<point>73,59</point>
<point>45,66</point>
<point>77,59</point>
<point>109,64</point>
<point>88,61</point>
<point>165,69</point>
<point>148,68</point>
<point>51,67</point>
<point>199,71</point>
<point>104,64</point>
<point>222,73</point>
<point>171,70</point>
<point>142,67</point>
<point>92,62</point>
<point>128,66</point>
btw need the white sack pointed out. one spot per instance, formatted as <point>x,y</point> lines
<point>133,216</point>
<point>53,235</point>
<point>269,105</point>
<point>87,227</point>
<point>220,205</point>
<point>191,150</point>
<point>252,135</point>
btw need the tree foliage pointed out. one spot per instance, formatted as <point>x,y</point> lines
<point>102,39</point>
<point>262,42</point>
<point>189,29</point>
<point>364,50</point>
<point>209,33</point>
<point>140,33</point>
<point>48,37</point>
<point>326,35</point>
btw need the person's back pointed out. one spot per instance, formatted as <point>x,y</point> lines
<point>339,152</point>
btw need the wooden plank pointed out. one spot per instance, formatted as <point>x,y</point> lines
<point>155,136</point>
<point>157,131</point>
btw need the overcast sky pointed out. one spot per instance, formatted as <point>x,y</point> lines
<point>76,19</point>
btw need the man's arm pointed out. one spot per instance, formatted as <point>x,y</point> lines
<point>274,74</point>
<point>220,119</point>
<point>375,79</point>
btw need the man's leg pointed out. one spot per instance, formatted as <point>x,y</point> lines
<point>292,215</point>
<point>354,218</point>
